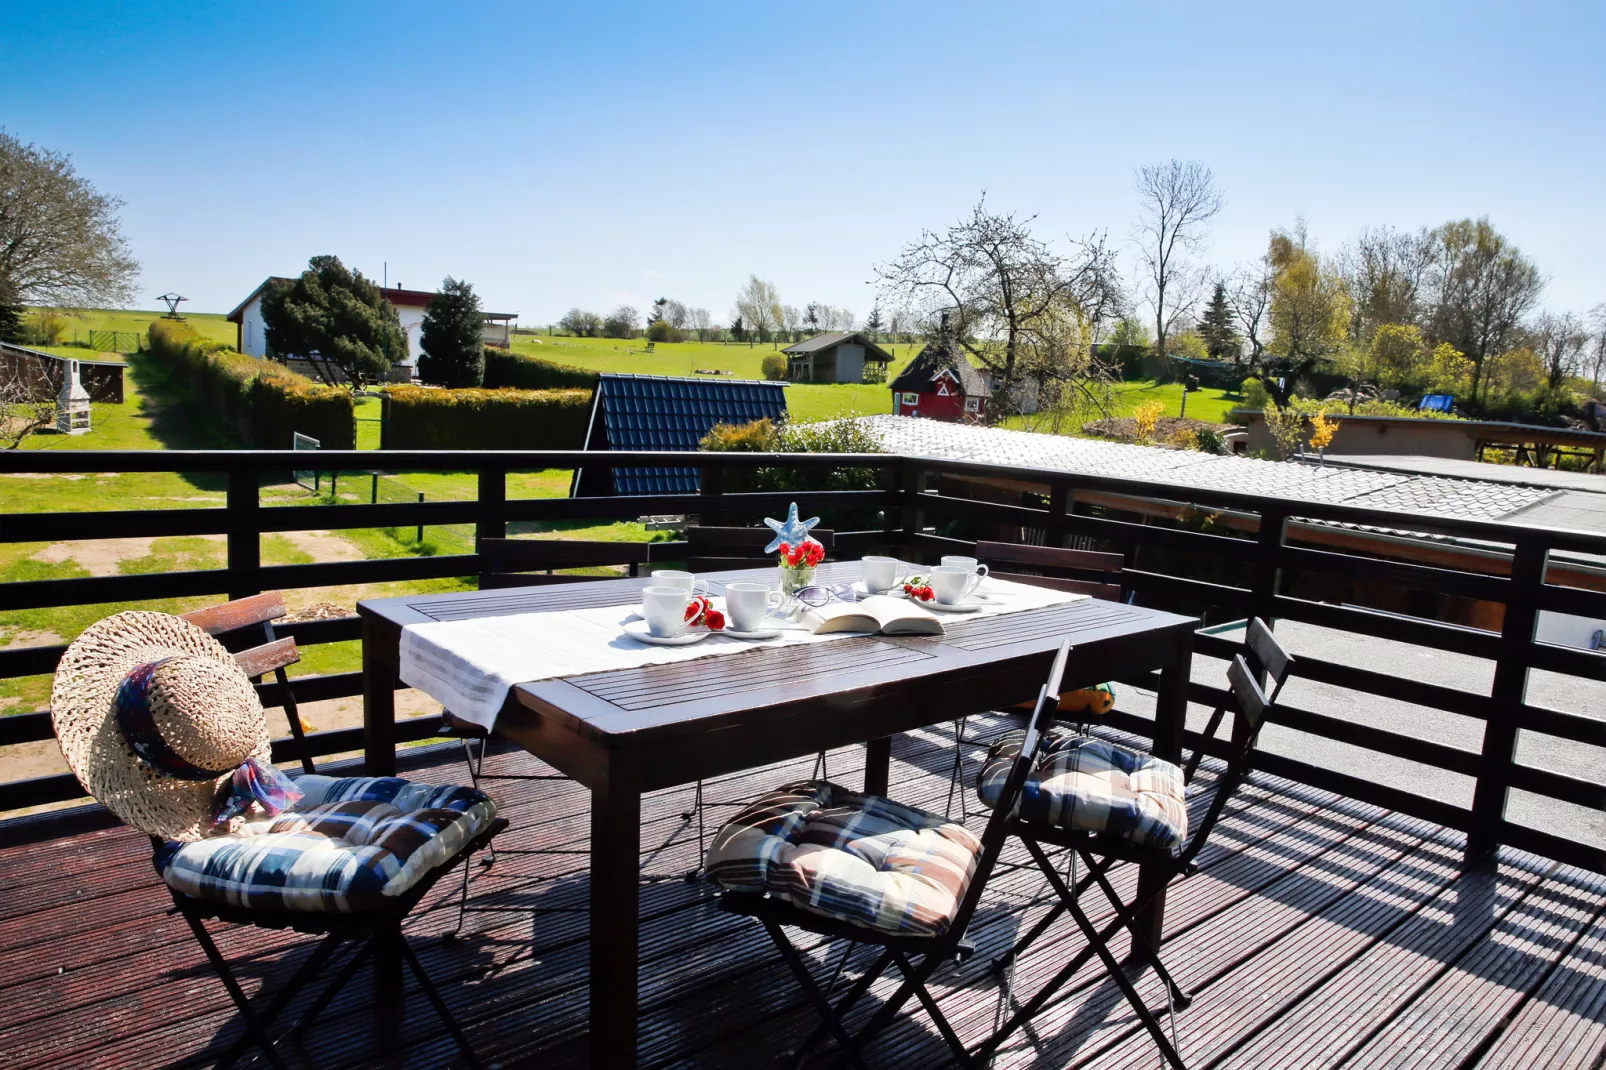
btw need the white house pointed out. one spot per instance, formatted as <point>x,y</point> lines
<point>409,304</point>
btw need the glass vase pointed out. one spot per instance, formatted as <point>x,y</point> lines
<point>795,579</point>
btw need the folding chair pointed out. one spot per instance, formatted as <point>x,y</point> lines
<point>929,925</point>
<point>1099,840</point>
<point>1086,572</point>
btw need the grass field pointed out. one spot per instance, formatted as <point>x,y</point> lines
<point>81,321</point>
<point>1206,403</point>
<point>805,401</point>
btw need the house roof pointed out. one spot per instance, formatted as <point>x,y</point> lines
<point>1393,490</point>
<point>921,375</point>
<point>832,339</point>
<point>394,294</point>
<point>657,412</point>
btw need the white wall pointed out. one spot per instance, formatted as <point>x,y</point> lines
<point>1564,629</point>
<point>412,321</point>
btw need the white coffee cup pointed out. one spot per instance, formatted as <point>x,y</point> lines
<point>686,581</point>
<point>970,564</point>
<point>882,573</point>
<point>952,584</point>
<point>665,610</point>
<point>748,605</point>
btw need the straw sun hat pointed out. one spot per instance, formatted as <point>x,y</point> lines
<point>159,724</point>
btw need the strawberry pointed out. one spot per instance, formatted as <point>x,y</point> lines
<point>715,620</point>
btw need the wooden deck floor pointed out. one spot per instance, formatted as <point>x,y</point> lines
<point>1318,932</point>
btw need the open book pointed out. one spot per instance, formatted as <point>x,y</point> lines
<point>878,613</point>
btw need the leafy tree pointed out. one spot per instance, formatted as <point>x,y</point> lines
<point>61,242</point>
<point>1482,288</point>
<point>622,322</point>
<point>1215,327</point>
<point>581,324</point>
<point>336,319</point>
<point>452,337</point>
<point>1561,341</point>
<point>660,311</point>
<point>759,305</point>
<point>1310,313</point>
<point>1386,271</point>
<point>1190,344</point>
<point>738,329</point>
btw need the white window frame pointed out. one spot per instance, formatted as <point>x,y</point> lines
<point>973,404</point>
<point>910,399</point>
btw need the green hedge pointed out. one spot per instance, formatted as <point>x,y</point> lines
<point>261,404</point>
<point>425,419</point>
<point>524,372</point>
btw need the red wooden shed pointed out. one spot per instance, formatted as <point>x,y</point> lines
<point>941,384</point>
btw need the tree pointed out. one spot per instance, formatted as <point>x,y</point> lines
<point>27,404</point>
<point>61,242</point>
<point>1597,349</point>
<point>660,311</point>
<point>702,321</point>
<point>677,315</point>
<point>738,329</point>
<point>792,320</point>
<point>811,317</point>
<point>1250,301</point>
<point>11,312</point>
<point>759,305</point>
<point>872,322</point>
<point>1016,307</point>
<point>452,337</point>
<point>1309,312</point>
<point>581,324</point>
<point>1482,287</point>
<point>622,322</point>
<point>1385,270</point>
<point>336,319</point>
<point>1400,356</point>
<point>1176,202</point>
<point>1215,327</point>
<point>1560,341</point>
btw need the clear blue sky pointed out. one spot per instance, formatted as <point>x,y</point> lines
<point>591,154</point>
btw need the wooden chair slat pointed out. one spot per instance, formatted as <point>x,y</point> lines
<point>240,613</point>
<point>1012,553</point>
<point>260,660</point>
<point>1269,652</point>
<point>1110,592</point>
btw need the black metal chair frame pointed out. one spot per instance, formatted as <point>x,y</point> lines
<point>364,929</point>
<point>900,950</point>
<point>1099,853</point>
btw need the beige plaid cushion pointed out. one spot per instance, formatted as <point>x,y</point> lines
<point>859,858</point>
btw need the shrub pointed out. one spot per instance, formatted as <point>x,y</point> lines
<point>1144,417</point>
<point>422,419</point>
<point>260,404</point>
<point>762,436</point>
<point>1185,438</point>
<point>1256,396</point>
<point>47,329</point>
<point>504,368</point>
<point>662,331</point>
<point>1210,441</point>
<point>773,366</point>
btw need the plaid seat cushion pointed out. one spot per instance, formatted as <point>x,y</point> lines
<point>1095,786</point>
<point>859,858</point>
<point>349,844</point>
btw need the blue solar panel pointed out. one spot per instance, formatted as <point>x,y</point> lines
<point>645,412</point>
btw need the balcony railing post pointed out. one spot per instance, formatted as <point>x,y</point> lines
<point>711,484</point>
<point>492,520</point>
<point>1268,563</point>
<point>910,476</point>
<point>1509,692</point>
<point>243,540</point>
<point>1059,505</point>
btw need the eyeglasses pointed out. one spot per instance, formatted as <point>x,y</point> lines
<point>819,595</point>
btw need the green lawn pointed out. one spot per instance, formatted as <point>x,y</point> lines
<point>80,321</point>
<point>1207,403</point>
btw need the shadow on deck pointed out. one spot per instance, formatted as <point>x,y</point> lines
<point>1319,932</point>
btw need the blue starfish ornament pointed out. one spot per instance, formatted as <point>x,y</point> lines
<point>792,532</point>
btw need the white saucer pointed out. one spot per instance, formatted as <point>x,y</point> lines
<point>895,591</point>
<point>637,630</point>
<point>960,607</point>
<point>761,633</point>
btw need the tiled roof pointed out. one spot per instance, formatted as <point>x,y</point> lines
<point>835,338</point>
<point>1403,492</point>
<point>655,412</point>
<point>921,374</point>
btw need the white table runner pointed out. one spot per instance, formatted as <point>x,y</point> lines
<point>469,666</point>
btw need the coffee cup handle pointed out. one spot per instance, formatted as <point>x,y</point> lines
<point>975,582</point>
<point>900,572</point>
<point>699,588</point>
<point>981,572</point>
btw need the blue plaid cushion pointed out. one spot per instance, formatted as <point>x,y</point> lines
<point>858,858</point>
<point>1090,784</point>
<point>350,844</point>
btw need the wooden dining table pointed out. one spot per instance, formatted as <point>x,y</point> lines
<point>630,731</point>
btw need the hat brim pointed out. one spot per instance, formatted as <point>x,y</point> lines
<point>84,714</point>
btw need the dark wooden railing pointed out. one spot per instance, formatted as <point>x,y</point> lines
<point>1221,555</point>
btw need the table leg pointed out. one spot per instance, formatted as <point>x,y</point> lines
<point>877,765</point>
<point>379,670</point>
<point>1170,720</point>
<point>615,915</point>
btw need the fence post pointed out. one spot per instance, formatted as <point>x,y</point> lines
<point>243,541</point>
<point>1268,564</point>
<point>420,536</point>
<point>1509,691</point>
<point>373,494</point>
<point>909,476</point>
<point>492,520</point>
<point>710,484</point>
<point>1059,504</point>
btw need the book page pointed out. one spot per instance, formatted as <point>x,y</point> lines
<point>887,611</point>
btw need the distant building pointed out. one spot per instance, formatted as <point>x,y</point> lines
<point>660,412</point>
<point>833,357</point>
<point>251,339</point>
<point>941,384</point>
